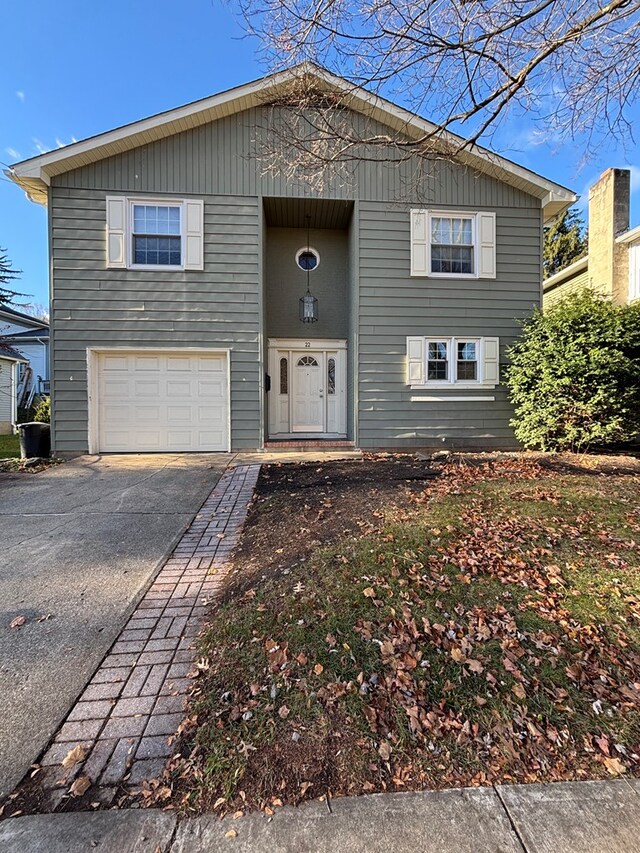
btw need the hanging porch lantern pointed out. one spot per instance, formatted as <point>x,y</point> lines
<point>308,308</point>
<point>308,303</point>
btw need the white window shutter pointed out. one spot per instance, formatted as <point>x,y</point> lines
<point>116,231</point>
<point>486,245</point>
<point>491,358</point>
<point>415,361</point>
<point>194,234</point>
<point>419,242</point>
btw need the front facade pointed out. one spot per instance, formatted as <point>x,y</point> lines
<point>179,262</point>
<point>611,267</point>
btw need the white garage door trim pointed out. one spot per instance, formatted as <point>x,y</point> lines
<point>93,376</point>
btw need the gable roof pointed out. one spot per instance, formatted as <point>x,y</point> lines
<point>10,354</point>
<point>13,316</point>
<point>34,175</point>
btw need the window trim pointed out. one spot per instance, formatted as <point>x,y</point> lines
<point>452,342</point>
<point>129,235</point>
<point>303,251</point>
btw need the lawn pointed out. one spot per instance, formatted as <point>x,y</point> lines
<point>9,446</point>
<point>386,630</point>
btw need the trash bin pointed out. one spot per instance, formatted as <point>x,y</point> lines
<point>35,440</point>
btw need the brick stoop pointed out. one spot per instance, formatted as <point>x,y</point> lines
<point>128,714</point>
<point>309,444</point>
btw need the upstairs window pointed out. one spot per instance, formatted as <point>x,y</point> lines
<point>453,244</point>
<point>156,235</point>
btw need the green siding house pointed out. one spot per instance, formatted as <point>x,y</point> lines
<point>180,256</point>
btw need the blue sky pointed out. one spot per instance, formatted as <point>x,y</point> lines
<point>73,69</point>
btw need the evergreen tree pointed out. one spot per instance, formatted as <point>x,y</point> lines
<point>565,241</point>
<point>7,274</point>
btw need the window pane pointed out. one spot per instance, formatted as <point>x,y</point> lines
<point>452,259</point>
<point>467,364</point>
<point>437,361</point>
<point>331,376</point>
<point>156,219</point>
<point>284,376</point>
<point>165,251</point>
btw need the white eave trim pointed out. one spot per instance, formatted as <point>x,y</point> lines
<point>567,272</point>
<point>629,236</point>
<point>34,175</point>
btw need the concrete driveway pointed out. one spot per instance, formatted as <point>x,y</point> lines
<point>78,545</point>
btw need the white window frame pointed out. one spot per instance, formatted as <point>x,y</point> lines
<point>153,202</point>
<point>454,214</point>
<point>452,342</point>
<point>483,231</point>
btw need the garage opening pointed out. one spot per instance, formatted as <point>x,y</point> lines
<point>145,401</point>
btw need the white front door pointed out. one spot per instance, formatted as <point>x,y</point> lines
<point>308,388</point>
<point>308,393</point>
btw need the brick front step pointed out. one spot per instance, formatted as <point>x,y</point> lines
<point>309,444</point>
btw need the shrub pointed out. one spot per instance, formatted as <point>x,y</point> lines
<point>43,411</point>
<point>574,376</point>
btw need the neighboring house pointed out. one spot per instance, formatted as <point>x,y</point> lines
<point>30,337</point>
<point>10,361</point>
<point>179,261</point>
<point>612,265</point>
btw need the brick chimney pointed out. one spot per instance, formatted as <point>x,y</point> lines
<point>608,218</point>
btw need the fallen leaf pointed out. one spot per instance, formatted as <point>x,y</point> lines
<point>283,712</point>
<point>318,669</point>
<point>614,766</point>
<point>519,691</point>
<point>475,665</point>
<point>80,786</point>
<point>369,592</point>
<point>384,750</point>
<point>74,756</point>
<point>17,622</point>
<point>231,834</point>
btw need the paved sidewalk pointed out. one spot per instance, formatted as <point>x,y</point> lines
<point>127,714</point>
<point>567,817</point>
<point>79,543</point>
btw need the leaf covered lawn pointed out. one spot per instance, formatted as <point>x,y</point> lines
<point>482,628</point>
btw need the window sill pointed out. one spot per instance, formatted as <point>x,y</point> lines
<point>454,386</point>
<point>156,267</point>
<point>447,275</point>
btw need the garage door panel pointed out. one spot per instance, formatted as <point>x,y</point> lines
<point>146,362</point>
<point>162,402</point>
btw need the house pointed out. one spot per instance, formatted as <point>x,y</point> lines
<point>187,271</point>
<point>30,336</point>
<point>10,361</point>
<point>612,265</point>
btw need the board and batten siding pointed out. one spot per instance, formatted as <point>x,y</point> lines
<point>222,158</point>
<point>92,306</point>
<point>392,305</point>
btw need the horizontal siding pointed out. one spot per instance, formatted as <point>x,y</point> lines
<point>393,305</point>
<point>227,157</point>
<point>569,288</point>
<point>6,368</point>
<point>93,306</point>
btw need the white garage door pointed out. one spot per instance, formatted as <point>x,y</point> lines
<point>162,401</point>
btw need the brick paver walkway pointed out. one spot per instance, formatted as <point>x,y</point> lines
<point>135,701</point>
